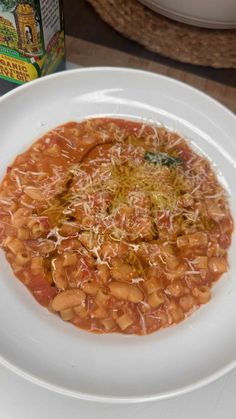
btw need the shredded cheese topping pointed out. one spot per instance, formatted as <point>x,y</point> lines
<point>90,191</point>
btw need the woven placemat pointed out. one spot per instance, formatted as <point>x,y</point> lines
<point>185,43</point>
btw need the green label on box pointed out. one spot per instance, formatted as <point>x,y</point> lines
<point>31,38</point>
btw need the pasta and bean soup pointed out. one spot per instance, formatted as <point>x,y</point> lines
<point>115,225</point>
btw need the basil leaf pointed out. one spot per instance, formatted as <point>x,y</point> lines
<point>162,158</point>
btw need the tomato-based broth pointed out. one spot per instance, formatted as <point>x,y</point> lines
<point>115,225</point>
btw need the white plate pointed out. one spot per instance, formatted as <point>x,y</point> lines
<point>57,355</point>
<point>219,14</point>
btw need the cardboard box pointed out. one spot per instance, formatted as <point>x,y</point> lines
<point>32,41</point>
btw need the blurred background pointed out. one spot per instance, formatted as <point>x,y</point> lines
<point>194,42</point>
<point>126,33</point>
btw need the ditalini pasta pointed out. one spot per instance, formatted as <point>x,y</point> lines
<point>115,225</point>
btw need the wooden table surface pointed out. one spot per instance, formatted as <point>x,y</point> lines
<point>91,42</point>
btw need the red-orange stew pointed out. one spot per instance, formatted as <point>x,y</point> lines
<point>115,225</point>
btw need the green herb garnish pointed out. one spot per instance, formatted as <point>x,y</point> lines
<point>162,158</point>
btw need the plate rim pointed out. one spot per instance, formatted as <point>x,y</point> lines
<point>59,74</point>
<point>117,400</point>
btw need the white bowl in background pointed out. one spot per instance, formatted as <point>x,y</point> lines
<point>206,13</point>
